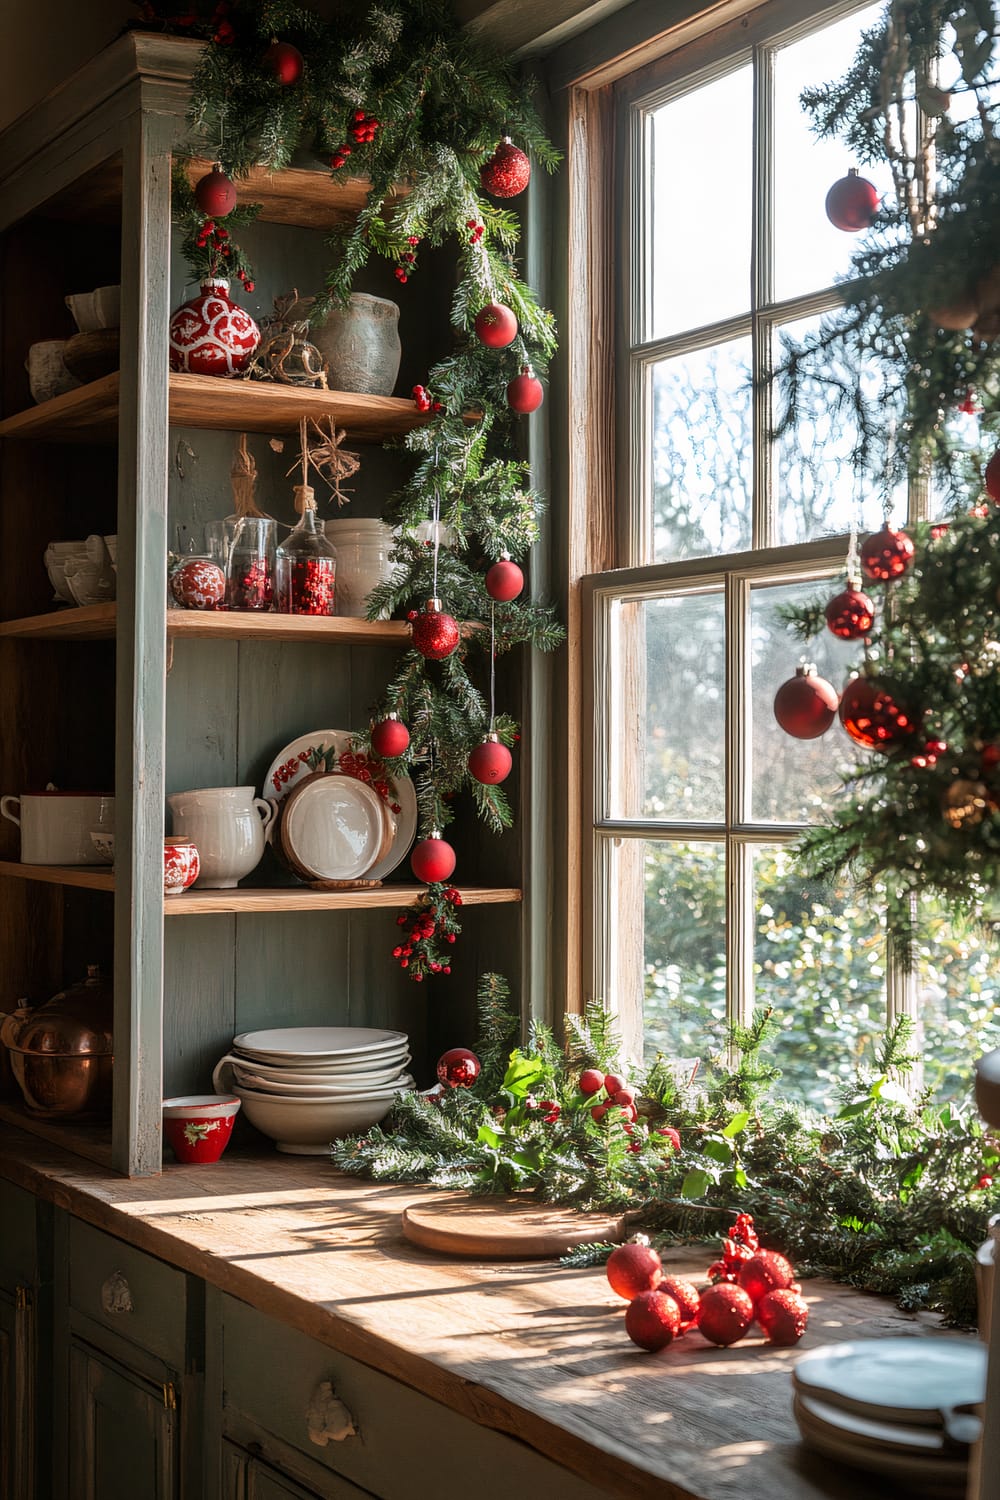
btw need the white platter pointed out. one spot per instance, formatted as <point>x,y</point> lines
<point>924,1474</point>
<point>315,1043</point>
<point>336,828</point>
<point>321,1090</point>
<point>919,1381</point>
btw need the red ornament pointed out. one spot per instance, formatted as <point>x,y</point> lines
<point>725,1313</point>
<point>433,859</point>
<point>211,334</point>
<point>886,554</point>
<point>284,61</point>
<point>390,736</point>
<point>852,203</point>
<point>783,1316</point>
<point>215,194</point>
<point>989,757</point>
<point>490,762</point>
<point>652,1320</point>
<point>850,615</point>
<point>458,1068</point>
<point>507,172</point>
<point>495,325</point>
<point>198,583</point>
<point>613,1082</point>
<point>591,1081</point>
<point>991,478</point>
<point>872,717</point>
<point>504,581</point>
<point>525,393</point>
<point>764,1272</point>
<point>806,705</point>
<point>435,634</point>
<point>633,1268</point>
<point>685,1294</point>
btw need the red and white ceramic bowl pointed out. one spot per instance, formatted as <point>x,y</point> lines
<point>180,865</point>
<point>197,1127</point>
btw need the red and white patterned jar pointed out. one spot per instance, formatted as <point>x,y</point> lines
<point>180,865</point>
<point>212,334</point>
<point>198,583</point>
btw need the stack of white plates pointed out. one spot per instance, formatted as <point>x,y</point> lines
<point>306,1085</point>
<point>902,1407</point>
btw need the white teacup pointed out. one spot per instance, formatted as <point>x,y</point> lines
<point>228,825</point>
<point>56,826</point>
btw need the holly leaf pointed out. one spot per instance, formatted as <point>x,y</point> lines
<point>522,1074</point>
<point>720,1151</point>
<point>696,1184</point>
<point>737,1125</point>
<point>487,1136</point>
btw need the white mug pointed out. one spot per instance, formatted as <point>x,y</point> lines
<point>228,824</point>
<point>56,826</point>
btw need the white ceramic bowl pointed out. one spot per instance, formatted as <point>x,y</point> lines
<point>375,1077</point>
<point>305,1127</point>
<point>104,843</point>
<point>254,1085</point>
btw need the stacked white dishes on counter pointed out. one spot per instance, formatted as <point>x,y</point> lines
<point>902,1407</point>
<point>304,1086</point>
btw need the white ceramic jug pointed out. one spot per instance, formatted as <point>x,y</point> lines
<point>228,824</point>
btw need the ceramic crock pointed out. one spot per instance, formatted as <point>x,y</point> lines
<point>360,342</point>
<point>228,824</point>
<point>56,826</point>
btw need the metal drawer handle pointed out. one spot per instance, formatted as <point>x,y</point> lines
<point>116,1296</point>
<point>327,1418</point>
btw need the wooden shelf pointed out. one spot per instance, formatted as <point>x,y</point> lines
<point>88,1138</point>
<point>90,622</point>
<point>96,622</point>
<point>90,413</point>
<point>90,877</point>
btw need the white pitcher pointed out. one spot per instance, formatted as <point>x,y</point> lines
<point>228,824</point>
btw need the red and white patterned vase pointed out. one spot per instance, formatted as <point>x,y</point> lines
<point>198,583</point>
<point>181,865</point>
<point>212,334</point>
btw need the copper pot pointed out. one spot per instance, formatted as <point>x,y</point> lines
<point>62,1052</point>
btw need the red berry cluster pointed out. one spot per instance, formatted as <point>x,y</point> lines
<point>424,401</point>
<point>339,158</point>
<point>618,1102</point>
<point>366,768</point>
<point>363,127</point>
<point>476,229</point>
<point>551,1108</point>
<point>224,34</point>
<point>214,240</point>
<point>737,1248</point>
<point>431,922</point>
<point>407,260</point>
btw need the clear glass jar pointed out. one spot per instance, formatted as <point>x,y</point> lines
<point>250,565</point>
<point>307,565</point>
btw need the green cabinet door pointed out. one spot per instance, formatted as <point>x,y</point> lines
<point>247,1477</point>
<point>123,1432</point>
<point>17,1388</point>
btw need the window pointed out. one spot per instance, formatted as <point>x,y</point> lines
<point>696,794</point>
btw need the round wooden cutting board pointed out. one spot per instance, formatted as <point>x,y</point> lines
<point>504,1228</point>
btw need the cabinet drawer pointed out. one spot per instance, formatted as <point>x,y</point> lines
<point>405,1443</point>
<point>128,1292</point>
<point>18,1239</point>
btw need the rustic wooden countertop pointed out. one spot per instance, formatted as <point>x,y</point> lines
<point>529,1349</point>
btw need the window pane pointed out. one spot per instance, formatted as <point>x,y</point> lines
<point>699,206</point>
<point>793,780</point>
<point>959,1001</point>
<point>819,960</point>
<point>684,950</point>
<point>702,452</point>
<point>666,760</point>
<point>809,253</point>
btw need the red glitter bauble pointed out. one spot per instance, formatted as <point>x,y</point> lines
<point>765,1271</point>
<point>850,615</point>
<point>725,1313</point>
<point>495,325</point>
<point>652,1320</point>
<point>215,194</point>
<point>435,634</point>
<point>284,61</point>
<point>852,203</point>
<point>806,705</point>
<point>432,859</point>
<point>458,1068</point>
<point>886,554</point>
<point>633,1268</point>
<point>687,1297</point>
<point>390,736</point>
<point>991,478</point>
<point>504,581</point>
<point>783,1317</point>
<point>507,172</point>
<point>872,717</point>
<point>490,762</point>
<point>198,583</point>
<point>525,393</point>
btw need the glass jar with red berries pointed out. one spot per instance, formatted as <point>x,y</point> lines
<point>250,564</point>
<point>307,564</point>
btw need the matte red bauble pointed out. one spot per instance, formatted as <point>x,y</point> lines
<point>212,334</point>
<point>652,1320</point>
<point>198,583</point>
<point>725,1313</point>
<point>806,705</point>
<point>886,554</point>
<point>504,581</point>
<point>783,1316</point>
<point>852,203</point>
<point>435,634</point>
<point>872,717</point>
<point>490,762</point>
<point>633,1268</point>
<point>525,393</point>
<point>284,61</point>
<point>495,325</point>
<point>765,1271</point>
<point>390,736</point>
<point>591,1081</point>
<point>432,859</point>
<point>850,615</point>
<point>507,172</point>
<point>458,1068</point>
<point>991,478</point>
<point>215,194</point>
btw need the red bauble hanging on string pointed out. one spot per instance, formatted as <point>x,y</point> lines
<point>873,718</point>
<point>507,172</point>
<point>433,859</point>
<point>458,1068</point>
<point>390,736</point>
<point>850,615</point>
<point>504,581</point>
<point>525,393</point>
<point>991,478</point>
<point>495,325</point>
<point>490,762</point>
<point>886,555</point>
<point>215,194</point>
<point>435,634</point>
<point>852,203</point>
<point>284,61</point>
<point>806,705</point>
